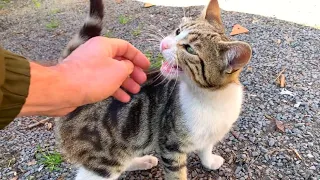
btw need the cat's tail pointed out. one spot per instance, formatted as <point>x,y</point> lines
<point>92,27</point>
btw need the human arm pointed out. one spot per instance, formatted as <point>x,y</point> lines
<point>93,72</point>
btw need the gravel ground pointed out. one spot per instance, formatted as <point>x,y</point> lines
<point>254,149</point>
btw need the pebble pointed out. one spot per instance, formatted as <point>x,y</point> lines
<point>313,168</point>
<point>238,169</point>
<point>271,141</point>
<point>255,153</point>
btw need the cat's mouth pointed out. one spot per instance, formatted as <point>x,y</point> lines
<point>170,68</point>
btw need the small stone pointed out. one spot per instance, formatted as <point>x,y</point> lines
<point>299,124</point>
<point>252,139</point>
<point>238,170</point>
<point>296,131</point>
<point>313,168</point>
<point>310,156</point>
<point>255,153</point>
<point>271,142</point>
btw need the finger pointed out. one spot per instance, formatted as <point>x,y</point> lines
<point>138,75</point>
<point>131,86</point>
<point>121,96</point>
<point>122,48</point>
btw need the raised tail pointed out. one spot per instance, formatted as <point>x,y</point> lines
<point>92,27</point>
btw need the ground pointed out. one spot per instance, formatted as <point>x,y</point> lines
<point>255,149</point>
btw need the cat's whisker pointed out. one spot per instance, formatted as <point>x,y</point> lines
<point>155,32</point>
<point>152,40</point>
<point>154,36</point>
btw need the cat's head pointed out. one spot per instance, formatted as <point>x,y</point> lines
<point>198,50</point>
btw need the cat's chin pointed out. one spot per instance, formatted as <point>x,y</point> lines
<point>170,70</point>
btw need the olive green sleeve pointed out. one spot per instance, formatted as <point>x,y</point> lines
<point>14,85</point>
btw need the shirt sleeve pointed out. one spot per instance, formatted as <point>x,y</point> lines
<point>14,85</point>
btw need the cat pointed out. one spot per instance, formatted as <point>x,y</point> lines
<point>191,112</point>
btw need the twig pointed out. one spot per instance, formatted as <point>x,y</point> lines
<point>39,122</point>
<point>280,74</point>
<point>296,153</point>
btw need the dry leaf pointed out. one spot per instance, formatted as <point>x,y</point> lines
<point>61,178</point>
<point>279,125</point>
<point>49,126</point>
<point>33,162</point>
<point>237,29</point>
<point>118,1</point>
<point>280,74</point>
<point>14,178</point>
<point>282,80</point>
<point>146,5</point>
<point>296,153</point>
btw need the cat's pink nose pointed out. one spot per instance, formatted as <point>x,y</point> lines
<point>164,46</point>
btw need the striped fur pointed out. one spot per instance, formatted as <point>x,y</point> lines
<point>92,27</point>
<point>195,104</point>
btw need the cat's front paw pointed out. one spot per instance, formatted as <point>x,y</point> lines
<point>213,162</point>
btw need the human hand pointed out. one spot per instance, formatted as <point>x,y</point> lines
<point>104,67</point>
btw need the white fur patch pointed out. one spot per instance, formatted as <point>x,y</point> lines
<point>84,174</point>
<point>209,115</point>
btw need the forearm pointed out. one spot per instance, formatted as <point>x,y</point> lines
<point>51,92</point>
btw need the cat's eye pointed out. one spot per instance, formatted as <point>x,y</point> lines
<point>189,49</point>
<point>177,31</point>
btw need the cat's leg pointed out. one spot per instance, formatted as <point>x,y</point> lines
<point>175,165</point>
<point>85,174</point>
<point>209,160</point>
<point>142,163</point>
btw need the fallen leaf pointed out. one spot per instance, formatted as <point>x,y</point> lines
<point>14,178</point>
<point>237,29</point>
<point>33,162</point>
<point>61,178</point>
<point>49,126</point>
<point>146,5</point>
<point>235,134</point>
<point>118,1</point>
<point>279,125</point>
<point>282,80</point>
<point>279,74</point>
<point>296,153</point>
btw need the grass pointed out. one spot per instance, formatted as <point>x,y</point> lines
<point>123,19</point>
<point>50,160</point>
<point>55,11</point>
<point>52,24</point>
<point>36,3</point>
<point>156,61</point>
<point>3,5</point>
<point>136,32</point>
<point>108,34</point>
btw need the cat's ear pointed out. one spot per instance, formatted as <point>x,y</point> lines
<point>236,54</point>
<point>212,12</point>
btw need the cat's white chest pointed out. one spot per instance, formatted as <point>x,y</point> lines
<point>210,115</point>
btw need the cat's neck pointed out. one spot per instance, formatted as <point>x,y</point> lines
<point>232,89</point>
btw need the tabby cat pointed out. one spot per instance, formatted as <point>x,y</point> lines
<point>191,112</point>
